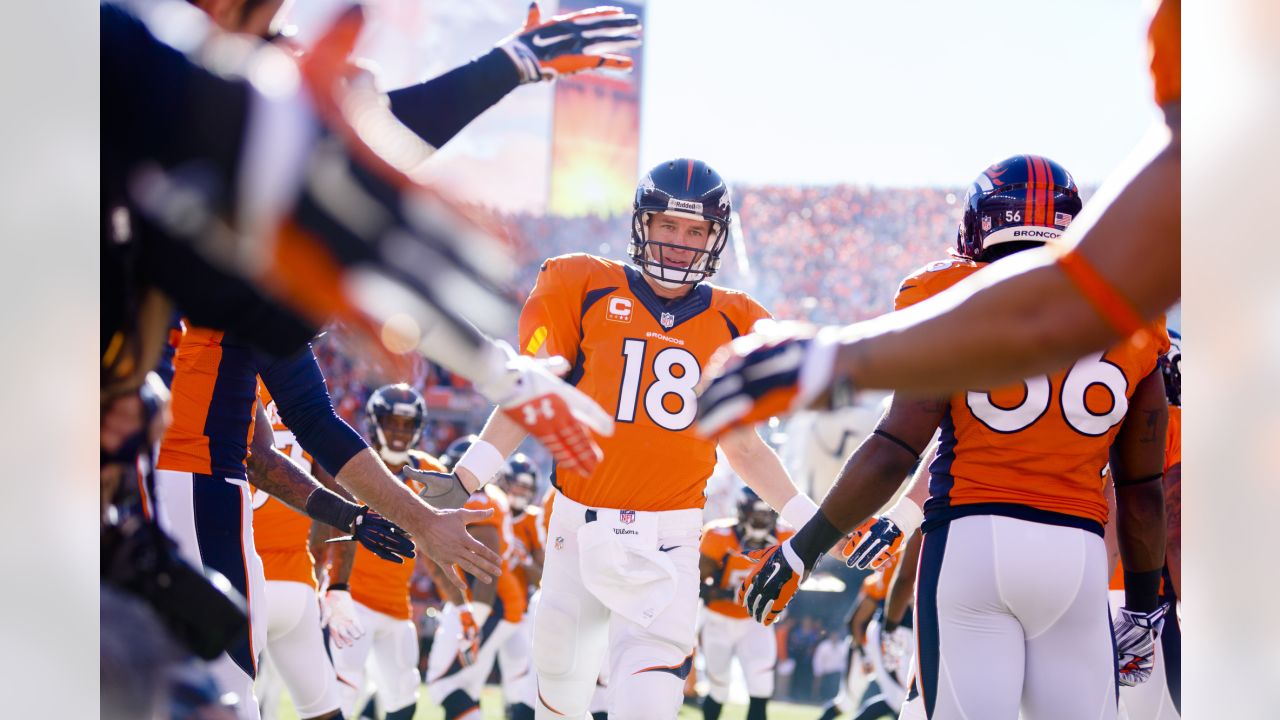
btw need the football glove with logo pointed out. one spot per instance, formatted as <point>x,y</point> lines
<point>877,539</point>
<point>473,616</point>
<point>338,613</point>
<point>530,392</point>
<point>772,583</point>
<point>379,535</point>
<point>1136,634</point>
<point>776,369</point>
<point>571,43</point>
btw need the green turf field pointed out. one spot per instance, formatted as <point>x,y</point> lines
<point>491,704</point>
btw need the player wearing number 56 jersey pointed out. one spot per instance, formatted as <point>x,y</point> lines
<point>621,568</point>
<point>1011,589</point>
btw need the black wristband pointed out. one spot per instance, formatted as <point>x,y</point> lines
<point>340,586</point>
<point>329,508</point>
<point>915,454</point>
<point>1142,590</point>
<point>1137,481</point>
<point>816,537</point>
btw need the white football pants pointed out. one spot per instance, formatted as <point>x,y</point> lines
<point>723,638</point>
<point>445,672</point>
<point>296,653</point>
<point>1150,700</point>
<point>393,646</point>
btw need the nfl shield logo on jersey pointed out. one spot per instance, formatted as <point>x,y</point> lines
<point>667,320</point>
<point>627,516</point>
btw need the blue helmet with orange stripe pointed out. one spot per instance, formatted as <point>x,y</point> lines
<point>1171,366</point>
<point>1023,199</point>
<point>689,189</point>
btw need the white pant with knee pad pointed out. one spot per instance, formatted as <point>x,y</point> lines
<point>515,663</point>
<point>622,584</point>
<point>1012,615</point>
<point>445,672</point>
<point>1150,700</point>
<point>210,519</point>
<point>722,639</point>
<point>392,646</point>
<point>296,651</point>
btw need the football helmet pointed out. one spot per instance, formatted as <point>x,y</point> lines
<point>689,189</point>
<point>456,449</point>
<point>397,414</point>
<point>1171,366</point>
<point>519,479</point>
<point>1025,198</point>
<point>757,522</point>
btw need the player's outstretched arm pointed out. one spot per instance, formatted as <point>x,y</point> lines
<point>1137,464</point>
<point>902,588</point>
<point>761,469</point>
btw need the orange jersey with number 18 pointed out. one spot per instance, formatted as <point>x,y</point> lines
<point>1035,449</point>
<point>640,357</point>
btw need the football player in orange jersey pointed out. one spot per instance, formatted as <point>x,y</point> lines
<point>1160,698</point>
<point>519,480</point>
<point>396,415</point>
<point>474,628</point>
<point>1117,267</point>
<point>295,654</point>
<point>1012,575</point>
<point>727,630</point>
<point>621,572</point>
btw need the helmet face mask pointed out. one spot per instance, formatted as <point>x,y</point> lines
<point>397,415</point>
<point>757,522</point>
<point>1023,199</point>
<point>679,191</point>
<point>519,480</point>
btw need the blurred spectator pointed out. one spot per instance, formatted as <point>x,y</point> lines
<point>802,642</point>
<point>828,665</point>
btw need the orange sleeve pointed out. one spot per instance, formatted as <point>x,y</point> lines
<point>482,501</point>
<point>713,545</point>
<point>551,318</point>
<point>1164,41</point>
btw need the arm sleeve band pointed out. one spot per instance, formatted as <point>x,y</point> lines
<point>297,386</point>
<point>438,109</point>
<point>1110,305</point>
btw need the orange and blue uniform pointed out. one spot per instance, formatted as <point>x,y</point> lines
<point>531,533</point>
<point>640,358</point>
<point>721,544</point>
<point>1035,450</point>
<point>280,533</point>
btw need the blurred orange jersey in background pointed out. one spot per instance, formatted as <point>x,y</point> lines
<point>280,533</point>
<point>1041,444</point>
<point>511,600</point>
<point>382,585</point>
<point>640,358</point>
<point>531,534</point>
<point>720,543</point>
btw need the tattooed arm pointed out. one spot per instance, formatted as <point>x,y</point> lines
<point>1137,464</point>
<point>1173,532</point>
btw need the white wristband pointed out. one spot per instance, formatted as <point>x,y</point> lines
<point>483,460</point>
<point>907,515</point>
<point>799,510</point>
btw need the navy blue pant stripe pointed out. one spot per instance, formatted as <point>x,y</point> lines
<point>218,512</point>
<point>1171,644</point>
<point>927,635</point>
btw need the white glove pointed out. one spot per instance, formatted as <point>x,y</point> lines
<point>1136,634</point>
<point>338,613</point>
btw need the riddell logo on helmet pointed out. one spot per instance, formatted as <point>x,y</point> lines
<point>684,205</point>
<point>1037,234</point>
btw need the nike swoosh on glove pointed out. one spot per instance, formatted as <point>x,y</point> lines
<point>871,544</point>
<point>776,369</point>
<point>562,417</point>
<point>571,43</point>
<point>1135,636</point>
<point>379,536</point>
<point>443,490</point>
<point>772,583</point>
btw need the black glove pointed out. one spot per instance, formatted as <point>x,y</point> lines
<point>379,535</point>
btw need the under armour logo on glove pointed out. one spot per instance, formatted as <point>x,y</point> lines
<point>772,583</point>
<point>1135,636</point>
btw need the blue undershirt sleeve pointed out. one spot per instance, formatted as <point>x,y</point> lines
<point>439,108</point>
<point>297,386</point>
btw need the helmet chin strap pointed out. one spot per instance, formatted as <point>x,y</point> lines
<point>392,456</point>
